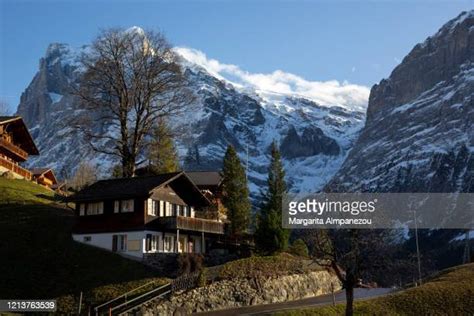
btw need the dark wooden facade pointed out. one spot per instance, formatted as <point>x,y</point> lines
<point>176,189</point>
<point>16,144</point>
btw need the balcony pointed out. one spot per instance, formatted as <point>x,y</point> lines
<point>15,168</point>
<point>18,153</point>
<point>190,224</point>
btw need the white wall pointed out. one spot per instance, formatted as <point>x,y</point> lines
<point>104,241</point>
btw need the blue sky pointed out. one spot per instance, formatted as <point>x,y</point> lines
<point>355,41</point>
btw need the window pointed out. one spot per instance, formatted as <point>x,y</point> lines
<point>119,243</point>
<point>185,211</point>
<point>127,206</point>
<point>151,242</point>
<point>168,244</point>
<point>168,209</point>
<point>82,209</point>
<point>124,206</point>
<point>95,208</point>
<point>162,208</point>
<point>87,238</point>
<point>151,207</point>
<point>191,212</point>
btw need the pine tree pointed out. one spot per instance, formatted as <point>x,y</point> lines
<point>235,192</point>
<point>270,235</point>
<point>162,154</point>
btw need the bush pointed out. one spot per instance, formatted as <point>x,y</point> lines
<point>202,278</point>
<point>299,248</point>
<point>189,263</point>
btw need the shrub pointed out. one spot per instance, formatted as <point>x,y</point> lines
<point>299,248</point>
<point>189,263</point>
<point>202,278</point>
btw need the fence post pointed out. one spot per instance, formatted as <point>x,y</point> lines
<point>80,304</point>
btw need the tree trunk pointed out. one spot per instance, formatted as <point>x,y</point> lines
<point>349,300</point>
<point>128,166</point>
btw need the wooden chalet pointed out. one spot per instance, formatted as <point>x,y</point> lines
<point>44,177</point>
<point>16,145</point>
<point>210,184</point>
<point>142,215</point>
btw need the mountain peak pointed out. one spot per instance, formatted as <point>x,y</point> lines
<point>135,29</point>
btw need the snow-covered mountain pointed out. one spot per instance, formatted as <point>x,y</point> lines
<point>419,132</point>
<point>316,123</point>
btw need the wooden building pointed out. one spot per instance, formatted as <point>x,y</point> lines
<point>16,145</point>
<point>142,215</point>
<point>44,177</point>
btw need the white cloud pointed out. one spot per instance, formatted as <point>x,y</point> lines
<point>330,92</point>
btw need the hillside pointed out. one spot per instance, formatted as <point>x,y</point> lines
<point>40,259</point>
<point>449,293</point>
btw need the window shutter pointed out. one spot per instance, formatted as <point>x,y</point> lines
<point>149,206</point>
<point>116,206</point>
<point>114,243</point>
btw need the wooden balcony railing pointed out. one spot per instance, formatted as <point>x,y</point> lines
<point>192,224</point>
<point>20,153</point>
<point>15,168</point>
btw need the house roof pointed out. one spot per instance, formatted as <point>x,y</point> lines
<point>47,172</point>
<point>205,178</point>
<point>140,187</point>
<point>21,134</point>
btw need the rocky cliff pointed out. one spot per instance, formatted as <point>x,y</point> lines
<point>419,135</point>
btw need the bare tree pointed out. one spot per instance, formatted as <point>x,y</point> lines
<point>4,108</point>
<point>132,79</point>
<point>85,175</point>
<point>353,255</point>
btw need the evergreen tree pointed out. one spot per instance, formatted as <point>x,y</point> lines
<point>270,236</point>
<point>235,192</point>
<point>162,154</point>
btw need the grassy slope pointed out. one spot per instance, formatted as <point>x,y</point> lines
<point>40,260</point>
<point>449,293</point>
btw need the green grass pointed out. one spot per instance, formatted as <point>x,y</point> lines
<point>40,260</point>
<point>265,266</point>
<point>449,293</point>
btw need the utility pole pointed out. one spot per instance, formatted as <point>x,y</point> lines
<point>417,248</point>
<point>467,248</point>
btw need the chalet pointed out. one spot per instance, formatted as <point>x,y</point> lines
<point>142,215</point>
<point>207,180</point>
<point>44,177</point>
<point>210,184</point>
<point>16,144</point>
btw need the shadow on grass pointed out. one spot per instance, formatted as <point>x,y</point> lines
<point>40,259</point>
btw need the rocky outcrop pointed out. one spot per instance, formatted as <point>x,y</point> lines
<point>312,142</point>
<point>242,292</point>
<point>418,135</point>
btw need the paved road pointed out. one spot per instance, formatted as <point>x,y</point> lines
<point>359,293</point>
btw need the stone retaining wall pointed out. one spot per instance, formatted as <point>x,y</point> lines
<point>243,292</point>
